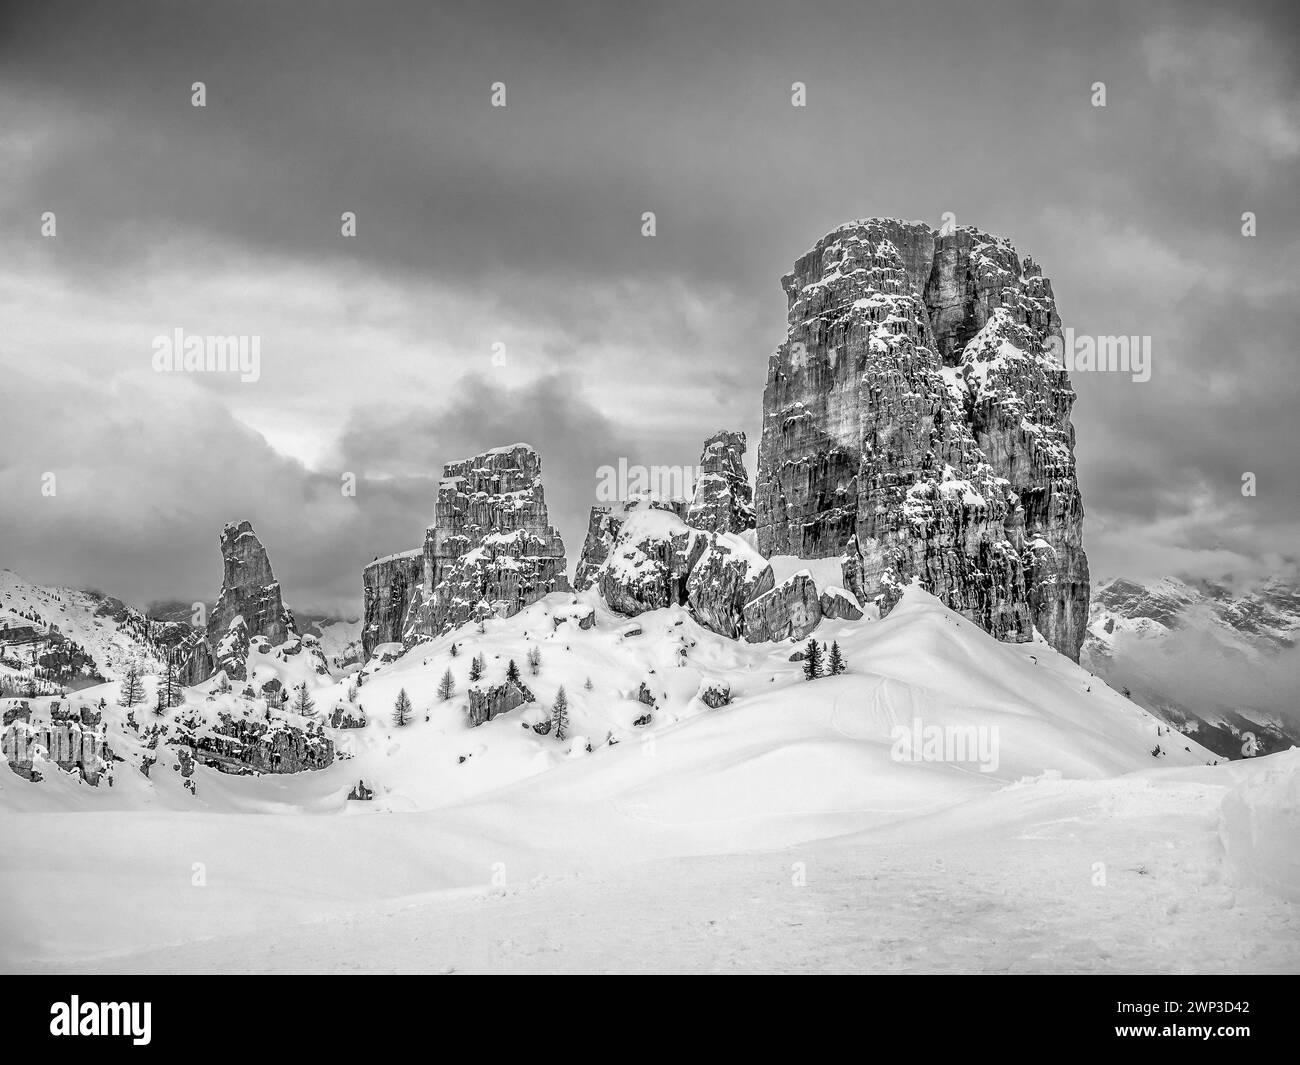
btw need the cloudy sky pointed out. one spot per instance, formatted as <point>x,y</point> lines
<point>521,226</point>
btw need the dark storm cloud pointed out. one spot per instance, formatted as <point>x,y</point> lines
<point>573,439</point>
<point>528,218</point>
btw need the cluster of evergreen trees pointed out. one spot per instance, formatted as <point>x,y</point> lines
<point>812,660</point>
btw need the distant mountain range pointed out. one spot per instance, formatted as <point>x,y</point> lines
<point>1217,662</point>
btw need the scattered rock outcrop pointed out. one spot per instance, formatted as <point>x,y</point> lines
<point>916,422</point>
<point>247,744</point>
<point>490,552</point>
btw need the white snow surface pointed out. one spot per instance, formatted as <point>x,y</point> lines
<point>777,833</point>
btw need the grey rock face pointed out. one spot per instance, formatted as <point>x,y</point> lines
<point>490,552</point>
<point>389,584</point>
<point>249,588</point>
<point>914,420</point>
<point>724,498</point>
<point>839,607</point>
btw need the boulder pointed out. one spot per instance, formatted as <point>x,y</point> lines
<point>715,693</point>
<point>836,603</point>
<point>790,611</point>
<point>488,703</point>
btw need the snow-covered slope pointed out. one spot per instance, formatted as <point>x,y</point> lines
<point>924,667</point>
<point>1218,663</point>
<point>790,829</point>
<point>109,632</point>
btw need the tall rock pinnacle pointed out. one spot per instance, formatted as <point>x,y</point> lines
<point>914,422</point>
<point>249,606</point>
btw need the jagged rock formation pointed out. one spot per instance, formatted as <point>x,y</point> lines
<point>249,606</point>
<point>490,552</point>
<point>648,558</point>
<point>649,553</point>
<point>249,588</point>
<point>724,498</point>
<point>915,422</point>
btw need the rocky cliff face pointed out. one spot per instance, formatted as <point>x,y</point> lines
<point>914,422</point>
<point>490,552</point>
<point>389,585</point>
<point>248,606</point>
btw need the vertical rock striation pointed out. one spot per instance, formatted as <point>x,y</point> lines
<point>490,552</point>
<point>388,586</point>
<point>249,606</point>
<point>914,422</point>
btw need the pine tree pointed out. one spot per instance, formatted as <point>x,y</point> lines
<point>446,686</point>
<point>302,702</point>
<point>132,686</point>
<point>836,662</point>
<point>171,683</point>
<point>812,665</point>
<point>454,651</point>
<point>512,672</point>
<point>588,685</point>
<point>534,660</point>
<point>560,713</point>
<point>476,668</point>
<point>402,709</point>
